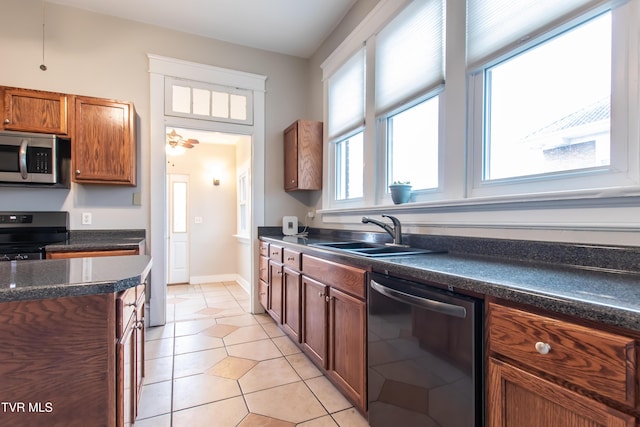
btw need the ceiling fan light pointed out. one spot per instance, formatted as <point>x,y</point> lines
<point>174,149</point>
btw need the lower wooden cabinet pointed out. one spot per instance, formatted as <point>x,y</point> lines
<point>518,398</point>
<point>275,291</point>
<point>544,370</point>
<point>291,289</point>
<point>321,306</point>
<point>129,354</point>
<point>347,344</point>
<point>314,320</point>
<point>73,361</point>
<point>334,324</point>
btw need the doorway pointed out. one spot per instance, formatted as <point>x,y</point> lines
<point>161,68</point>
<point>208,200</point>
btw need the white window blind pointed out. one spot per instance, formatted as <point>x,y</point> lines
<point>495,26</point>
<point>410,54</point>
<point>346,96</point>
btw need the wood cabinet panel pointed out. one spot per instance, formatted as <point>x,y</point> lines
<point>275,253</point>
<point>263,268</point>
<point>263,248</point>
<point>314,320</point>
<point>88,254</point>
<point>35,111</point>
<point>518,398</point>
<point>59,352</point>
<point>263,293</point>
<point>347,346</point>
<point>291,258</point>
<point>275,291</point>
<point>291,284</point>
<point>303,156</point>
<point>344,277</point>
<point>104,143</point>
<point>597,361</point>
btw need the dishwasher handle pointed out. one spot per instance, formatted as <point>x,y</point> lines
<point>426,303</point>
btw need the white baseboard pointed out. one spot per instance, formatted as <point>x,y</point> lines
<point>246,285</point>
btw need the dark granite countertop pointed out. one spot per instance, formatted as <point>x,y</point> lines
<point>593,292</point>
<point>53,278</point>
<point>99,240</point>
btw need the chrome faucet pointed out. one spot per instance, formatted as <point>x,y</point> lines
<point>394,231</point>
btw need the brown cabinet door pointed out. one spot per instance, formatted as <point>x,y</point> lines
<point>291,157</point>
<point>519,398</point>
<point>263,294</point>
<point>140,337</point>
<point>35,111</point>
<point>291,299</point>
<point>347,344</point>
<point>126,360</point>
<point>275,291</point>
<point>104,147</point>
<point>303,156</point>
<point>314,320</point>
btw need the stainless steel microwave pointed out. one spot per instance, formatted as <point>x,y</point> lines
<point>33,158</point>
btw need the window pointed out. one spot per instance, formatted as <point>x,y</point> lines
<point>547,99</point>
<point>409,76</point>
<point>243,204</point>
<point>209,102</point>
<point>412,145</point>
<point>346,120</point>
<point>543,101</point>
<point>349,168</point>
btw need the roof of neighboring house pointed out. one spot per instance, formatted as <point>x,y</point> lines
<point>598,111</point>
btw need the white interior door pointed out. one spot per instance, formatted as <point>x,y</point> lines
<point>178,200</point>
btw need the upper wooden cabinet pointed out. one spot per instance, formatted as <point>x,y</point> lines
<point>104,148</point>
<point>303,156</point>
<point>103,133</point>
<point>34,111</point>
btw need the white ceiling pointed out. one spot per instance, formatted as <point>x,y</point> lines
<point>292,27</point>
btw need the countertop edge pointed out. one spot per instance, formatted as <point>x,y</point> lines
<point>582,308</point>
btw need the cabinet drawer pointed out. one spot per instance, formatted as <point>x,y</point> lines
<point>263,265</point>
<point>344,277</point>
<point>597,361</point>
<point>125,308</point>
<point>275,253</point>
<point>291,259</point>
<point>264,249</point>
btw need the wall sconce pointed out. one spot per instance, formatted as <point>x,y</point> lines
<point>216,181</point>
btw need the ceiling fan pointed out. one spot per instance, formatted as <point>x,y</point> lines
<point>176,140</point>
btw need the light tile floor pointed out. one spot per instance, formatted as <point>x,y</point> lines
<point>214,364</point>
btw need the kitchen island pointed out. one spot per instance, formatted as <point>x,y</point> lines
<point>71,341</point>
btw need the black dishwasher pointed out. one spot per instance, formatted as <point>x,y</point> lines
<point>425,355</point>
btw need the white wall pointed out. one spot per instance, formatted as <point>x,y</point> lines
<point>97,55</point>
<point>211,241</point>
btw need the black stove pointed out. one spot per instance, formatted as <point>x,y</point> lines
<point>24,235</point>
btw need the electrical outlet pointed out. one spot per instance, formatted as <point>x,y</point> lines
<point>86,218</point>
<point>311,214</point>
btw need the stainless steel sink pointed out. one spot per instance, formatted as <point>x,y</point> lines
<point>371,249</point>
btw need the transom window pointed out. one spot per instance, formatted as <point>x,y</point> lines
<point>208,102</point>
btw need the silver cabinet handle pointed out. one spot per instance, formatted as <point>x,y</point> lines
<point>7,121</point>
<point>428,304</point>
<point>23,158</point>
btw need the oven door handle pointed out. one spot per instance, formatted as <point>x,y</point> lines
<point>426,303</point>
<point>22,159</point>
